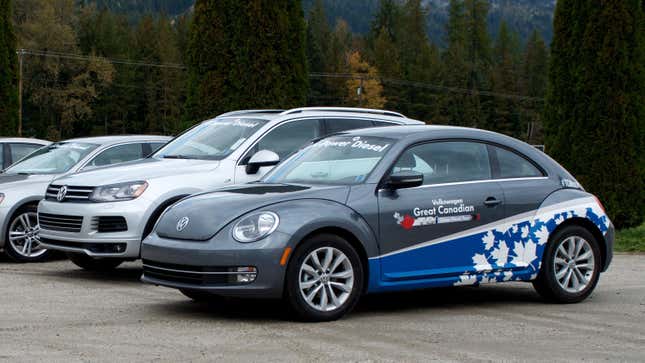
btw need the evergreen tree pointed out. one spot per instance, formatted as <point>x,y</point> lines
<point>245,55</point>
<point>595,113</point>
<point>533,84</point>
<point>318,54</point>
<point>505,115</point>
<point>8,72</point>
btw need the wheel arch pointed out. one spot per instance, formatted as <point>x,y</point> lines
<point>152,220</point>
<point>11,213</point>
<point>592,228</point>
<point>352,239</point>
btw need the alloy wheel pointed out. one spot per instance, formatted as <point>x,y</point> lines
<point>574,264</point>
<point>326,279</point>
<point>23,235</point>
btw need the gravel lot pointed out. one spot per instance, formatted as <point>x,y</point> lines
<point>56,312</point>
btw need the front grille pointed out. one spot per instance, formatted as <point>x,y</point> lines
<point>109,224</point>
<point>74,193</point>
<point>55,222</point>
<point>191,275</point>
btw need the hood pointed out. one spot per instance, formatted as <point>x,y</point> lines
<point>12,181</point>
<point>208,213</point>
<point>145,169</point>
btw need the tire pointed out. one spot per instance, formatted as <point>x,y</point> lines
<point>22,243</point>
<point>94,264</point>
<point>303,278</point>
<point>201,296</point>
<point>552,282</point>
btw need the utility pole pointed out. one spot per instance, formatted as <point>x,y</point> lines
<point>21,53</point>
<point>360,93</point>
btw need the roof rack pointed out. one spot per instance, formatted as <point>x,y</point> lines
<point>246,112</point>
<point>344,109</point>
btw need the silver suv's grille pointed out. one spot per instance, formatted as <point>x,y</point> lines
<point>71,194</point>
<point>55,222</point>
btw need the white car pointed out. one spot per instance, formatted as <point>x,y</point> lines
<point>101,217</point>
<point>23,185</point>
<point>13,149</point>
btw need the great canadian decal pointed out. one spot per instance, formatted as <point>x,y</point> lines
<point>443,211</point>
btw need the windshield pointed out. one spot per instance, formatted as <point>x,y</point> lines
<point>335,160</point>
<point>56,158</point>
<point>212,140</point>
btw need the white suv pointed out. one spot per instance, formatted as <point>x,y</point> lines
<point>100,217</point>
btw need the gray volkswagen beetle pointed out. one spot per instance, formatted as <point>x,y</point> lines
<point>387,209</point>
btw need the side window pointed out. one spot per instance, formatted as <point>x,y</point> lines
<point>287,138</point>
<point>512,165</point>
<point>2,161</point>
<point>382,123</point>
<point>154,146</point>
<point>117,154</point>
<point>149,148</point>
<point>338,125</point>
<point>19,151</point>
<point>447,162</point>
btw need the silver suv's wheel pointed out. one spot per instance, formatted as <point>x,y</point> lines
<point>324,279</point>
<point>570,266</point>
<point>22,242</point>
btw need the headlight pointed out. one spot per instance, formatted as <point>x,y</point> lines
<point>1,197</point>
<point>118,192</point>
<point>256,226</point>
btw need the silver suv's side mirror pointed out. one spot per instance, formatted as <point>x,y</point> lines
<point>260,159</point>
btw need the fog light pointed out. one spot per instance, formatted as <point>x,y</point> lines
<point>245,274</point>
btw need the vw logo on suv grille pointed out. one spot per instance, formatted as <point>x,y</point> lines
<point>62,192</point>
<point>182,224</point>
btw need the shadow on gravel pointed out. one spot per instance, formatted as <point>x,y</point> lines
<point>127,274</point>
<point>432,301</point>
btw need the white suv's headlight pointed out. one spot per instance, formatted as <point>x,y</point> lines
<point>1,197</point>
<point>118,192</point>
<point>256,226</point>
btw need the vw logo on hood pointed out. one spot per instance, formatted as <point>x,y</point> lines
<point>62,193</point>
<point>182,224</point>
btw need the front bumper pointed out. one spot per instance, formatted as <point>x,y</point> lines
<point>125,244</point>
<point>206,265</point>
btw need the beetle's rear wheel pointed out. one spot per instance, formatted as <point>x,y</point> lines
<point>324,278</point>
<point>571,266</point>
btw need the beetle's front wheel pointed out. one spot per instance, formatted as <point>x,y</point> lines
<point>324,278</point>
<point>571,266</point>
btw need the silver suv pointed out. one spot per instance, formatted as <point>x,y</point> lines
<point>23,185</point>
<point>101,217</point>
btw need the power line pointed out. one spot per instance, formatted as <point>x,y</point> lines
<point>395,81</point>
<point>72,56</point>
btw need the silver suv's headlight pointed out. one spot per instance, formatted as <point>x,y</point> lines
<point>255,226</point>
<point>1,197</point>
<point>118,192</point>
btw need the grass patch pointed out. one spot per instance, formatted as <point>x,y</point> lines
<point>631,239</point>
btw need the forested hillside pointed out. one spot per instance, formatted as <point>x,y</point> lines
<point>522,16</point>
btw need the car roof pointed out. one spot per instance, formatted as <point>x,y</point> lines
<point>105,140</point>
<point>413,131</point>
<point>24,140</point>
<point>281,115</point>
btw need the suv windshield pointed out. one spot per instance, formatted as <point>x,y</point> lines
<point>56,158</point>
<point>211,140</point>
<point>335,160</point>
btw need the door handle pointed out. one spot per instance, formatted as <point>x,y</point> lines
<point>492,201</point>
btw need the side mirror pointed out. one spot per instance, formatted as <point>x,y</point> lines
<point>405,179</point>
<point>260,159</point>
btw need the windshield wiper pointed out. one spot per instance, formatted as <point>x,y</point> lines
<point>175,157</point>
